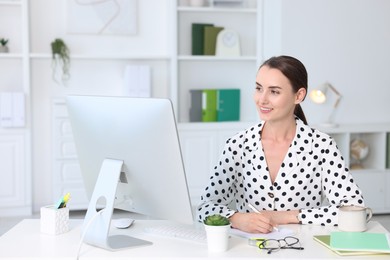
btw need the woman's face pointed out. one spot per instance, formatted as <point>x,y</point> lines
<point>274,96</point>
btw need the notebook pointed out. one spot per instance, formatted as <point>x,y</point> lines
<point>325,241</point>
<point>360,241</point>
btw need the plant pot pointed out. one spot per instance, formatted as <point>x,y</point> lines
<point>3,48</point>
<point>217,238</point>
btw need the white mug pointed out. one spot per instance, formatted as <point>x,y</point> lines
<point>354,218</point>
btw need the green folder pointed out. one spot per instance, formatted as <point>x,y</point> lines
<point>210,39</point>
<point>228,102</point>
<point>198,37</point>
<point>360,241</point>
<point>209,105</point>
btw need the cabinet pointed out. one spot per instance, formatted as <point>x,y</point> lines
<point>205,71</point>
<point>373,177</point>
<point>15,142</point>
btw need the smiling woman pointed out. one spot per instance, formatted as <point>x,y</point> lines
<point>281,166</point>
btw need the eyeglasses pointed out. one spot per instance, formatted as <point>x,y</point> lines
<point>273,245</point>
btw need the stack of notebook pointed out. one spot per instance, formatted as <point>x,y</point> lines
<point>356,243</point>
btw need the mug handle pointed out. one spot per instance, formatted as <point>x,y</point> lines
<point>369,214</point>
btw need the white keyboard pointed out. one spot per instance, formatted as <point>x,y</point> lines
<point>180,232</point>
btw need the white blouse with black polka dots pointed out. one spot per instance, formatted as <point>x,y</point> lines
<point>313,169</point>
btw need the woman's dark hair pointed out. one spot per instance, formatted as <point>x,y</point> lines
<point>296,73</point>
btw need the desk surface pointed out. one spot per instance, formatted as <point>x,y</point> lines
<point>26,241</point>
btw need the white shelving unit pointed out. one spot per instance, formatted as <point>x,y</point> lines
<point>374,176</point>
<point>199,72</point>
<point>15,142</point>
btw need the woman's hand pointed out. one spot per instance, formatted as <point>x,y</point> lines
<point>252,222</point>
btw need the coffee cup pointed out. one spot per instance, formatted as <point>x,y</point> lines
<point>354,218</point>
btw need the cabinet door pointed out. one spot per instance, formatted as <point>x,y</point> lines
<point>372,184</point>
<point>199,150</point>
<point>66,169</point>
<point>15,190</point>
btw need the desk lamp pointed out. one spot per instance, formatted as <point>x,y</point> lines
<point>319,96</point>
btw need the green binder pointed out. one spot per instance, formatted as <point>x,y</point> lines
<point>210,39</point>
<point>198,37</point>
<point>228,105</point>
<point>209,105</point>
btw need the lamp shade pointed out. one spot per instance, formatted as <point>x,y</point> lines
<point>318,96</point>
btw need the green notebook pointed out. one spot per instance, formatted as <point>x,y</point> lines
<point>360,241</point>
<point>210,39</point>
<point>325,241</point>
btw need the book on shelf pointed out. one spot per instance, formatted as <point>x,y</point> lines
<point>360,241</point>
<point>198,37</point>
<point>214,105</point>
<point>210,39</point>
<point>325,241</point>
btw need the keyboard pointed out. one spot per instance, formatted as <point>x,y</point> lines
<point>180,232</point>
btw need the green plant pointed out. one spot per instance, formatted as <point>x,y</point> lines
<point>3,41</point>
<point>216,220</point>
<point>60,57</point>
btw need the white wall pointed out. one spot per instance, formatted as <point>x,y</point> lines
<point>88,76</point>
<point>343,42</point>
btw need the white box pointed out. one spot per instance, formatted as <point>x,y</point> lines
<point>54,221</point>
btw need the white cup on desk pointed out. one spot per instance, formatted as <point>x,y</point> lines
<point>354,218</point>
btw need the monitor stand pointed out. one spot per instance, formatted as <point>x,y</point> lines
<point>96,224</point>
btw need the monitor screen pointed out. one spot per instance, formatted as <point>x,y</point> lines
<point>141,134</point>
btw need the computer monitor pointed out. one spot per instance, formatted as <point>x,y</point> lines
<point>130,158</point>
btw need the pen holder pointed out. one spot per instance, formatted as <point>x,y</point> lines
<point>54,221</point>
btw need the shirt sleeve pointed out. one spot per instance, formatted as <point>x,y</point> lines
<point>220,191</point>
<point>338,187</point>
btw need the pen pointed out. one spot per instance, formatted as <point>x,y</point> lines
<point>255,210</point>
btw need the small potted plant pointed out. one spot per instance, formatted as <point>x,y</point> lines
<point>60,57</point>
<point>217,230</point>
<point>3,45</point>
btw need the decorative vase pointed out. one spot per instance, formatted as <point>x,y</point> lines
<point>3,48</point>
<point>217,238</point>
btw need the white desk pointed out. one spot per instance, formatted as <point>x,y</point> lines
<point>25,241</point>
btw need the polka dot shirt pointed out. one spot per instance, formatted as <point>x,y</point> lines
<point>313,178</point>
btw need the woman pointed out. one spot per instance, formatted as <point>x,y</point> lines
<point>280,167</point>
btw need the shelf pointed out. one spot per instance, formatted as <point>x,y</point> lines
<point>104,57</point>
<point>216,9</point>
<point>215,58</point>
<point>10,55</point>
<point>16,2</point>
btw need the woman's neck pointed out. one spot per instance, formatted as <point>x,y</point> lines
<point>279,130</point>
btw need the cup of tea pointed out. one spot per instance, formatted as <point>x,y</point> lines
<point>354,218</point>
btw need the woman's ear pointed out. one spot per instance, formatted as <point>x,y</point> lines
<point>300,95</point>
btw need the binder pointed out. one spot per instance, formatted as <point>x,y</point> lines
<point>198,37</point>
<point>209,105</point>
<point>210,39</point>
<point>228,105</point>
<point>196,105</point>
